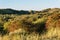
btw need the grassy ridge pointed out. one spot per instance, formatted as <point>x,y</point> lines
<point>37,25</point>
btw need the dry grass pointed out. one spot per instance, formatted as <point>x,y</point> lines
<point>35,20</point>
<point>52,34</point>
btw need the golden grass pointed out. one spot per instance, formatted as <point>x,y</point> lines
<point>52,34</point>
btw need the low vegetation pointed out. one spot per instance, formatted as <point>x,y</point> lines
<point>30,25</point>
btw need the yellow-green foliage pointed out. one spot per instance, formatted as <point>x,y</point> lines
<point>12,25</point>
<point>43,19</point>
<point>6,25</point>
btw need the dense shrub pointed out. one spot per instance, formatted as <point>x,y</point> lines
<point>12,25</point>
<point>53,21</point>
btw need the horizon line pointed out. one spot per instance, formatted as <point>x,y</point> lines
<point>29,9</point>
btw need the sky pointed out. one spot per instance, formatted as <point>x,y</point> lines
<point>29,4</point>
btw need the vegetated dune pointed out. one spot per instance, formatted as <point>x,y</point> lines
<point>53,24</point>
<point>45,24</point>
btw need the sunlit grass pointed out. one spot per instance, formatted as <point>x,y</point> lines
<point>52,34</point>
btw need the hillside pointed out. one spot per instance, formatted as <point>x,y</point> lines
<point>44,23</point>
<point>12,11</point>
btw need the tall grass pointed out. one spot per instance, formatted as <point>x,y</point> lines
<point>52,34</point>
